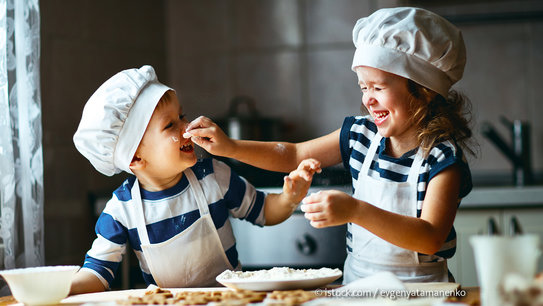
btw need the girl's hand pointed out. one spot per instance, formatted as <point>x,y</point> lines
<point>208,135</point>
<point>329,208</point>
<point>297,183</point>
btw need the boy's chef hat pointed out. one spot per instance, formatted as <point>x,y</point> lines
<point>116,117</point>
<point>413,43</point>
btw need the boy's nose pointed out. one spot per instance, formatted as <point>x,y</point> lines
<point>183,129</point>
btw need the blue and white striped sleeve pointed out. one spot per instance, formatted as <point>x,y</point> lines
<point>241,198</point>
<point>446,154</point>
<point>107,250</point>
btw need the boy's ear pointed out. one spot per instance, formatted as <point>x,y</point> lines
<point>137,163</point>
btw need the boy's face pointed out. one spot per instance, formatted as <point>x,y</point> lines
<point>163,149</point>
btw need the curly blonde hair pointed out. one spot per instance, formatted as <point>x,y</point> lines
<point>439,118</point>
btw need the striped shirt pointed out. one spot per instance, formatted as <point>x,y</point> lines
<point>169,212</point>
<point>355,138</point>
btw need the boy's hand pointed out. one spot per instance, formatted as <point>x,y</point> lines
<point>278,207</point>
<point>297,183</point>
<point>208,135</point>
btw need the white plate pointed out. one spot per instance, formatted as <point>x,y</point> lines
<point>270,285</point>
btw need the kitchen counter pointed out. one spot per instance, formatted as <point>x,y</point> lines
<point>504,197</point>
<point>470,297</point>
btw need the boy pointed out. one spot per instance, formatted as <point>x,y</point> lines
<point>174,210</point>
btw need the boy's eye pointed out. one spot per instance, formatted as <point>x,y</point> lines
<point>169,125</point>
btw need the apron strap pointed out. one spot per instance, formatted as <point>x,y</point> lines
<point>140,216</point>
<point>138,204</point>
<point>371,153</point>
<point>418,159</point>
<point>198,192</point>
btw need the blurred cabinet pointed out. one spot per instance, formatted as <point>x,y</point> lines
<point>472,222</point>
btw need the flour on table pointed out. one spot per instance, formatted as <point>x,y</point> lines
<point>278,274</point>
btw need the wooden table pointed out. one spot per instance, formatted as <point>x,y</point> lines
<point>472,296</point>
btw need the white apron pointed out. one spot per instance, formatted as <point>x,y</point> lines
<point>371,254</point>
<point>192,258</point>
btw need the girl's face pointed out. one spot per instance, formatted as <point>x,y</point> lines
<point>386,97</point>
<point>163,149</point>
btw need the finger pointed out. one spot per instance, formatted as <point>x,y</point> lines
<point>316,165</point>
<point>312,198</point>
<point>194,123</point>
<point>287,184</point>
<point>202,132</point>
<point>198,140</point>
<point>199,122</point>
<point>310,208</point>
<point>310,164</point>
<point>305,174</point>
<point>318,216</point>
<point>319,224</point>
<point>203,142</point>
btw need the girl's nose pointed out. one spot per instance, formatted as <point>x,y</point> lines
<point>368,99</point>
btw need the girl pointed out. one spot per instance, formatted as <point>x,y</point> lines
<point>405,158</point>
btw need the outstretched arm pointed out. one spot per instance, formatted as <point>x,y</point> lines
<point>273,156</point>
<point>278,207</point>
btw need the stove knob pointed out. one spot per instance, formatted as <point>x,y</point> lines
<point>306,245</point>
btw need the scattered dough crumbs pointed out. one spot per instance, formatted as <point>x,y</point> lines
<point>159,296</point>
<point>278,274</point>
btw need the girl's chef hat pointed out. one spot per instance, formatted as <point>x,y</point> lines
<point>116,117</point>
<point>413,43</point>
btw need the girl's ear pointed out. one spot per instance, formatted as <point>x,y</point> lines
<point>137,163</point>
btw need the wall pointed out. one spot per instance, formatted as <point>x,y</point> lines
<point>292,56</point>
<point>504,40</point>
<point>83,44</point>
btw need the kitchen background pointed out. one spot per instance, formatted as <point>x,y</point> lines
<point>292,57</point>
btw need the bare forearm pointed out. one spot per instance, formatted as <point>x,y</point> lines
<point>407,232</point>
<point>273,156</point>
<point>86,282</point>
<point>285,156</point>
<point>277,208</point>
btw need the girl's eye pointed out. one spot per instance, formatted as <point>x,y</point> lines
<point>363,89</point>
<point>182,116</point>
<point>168,126</point>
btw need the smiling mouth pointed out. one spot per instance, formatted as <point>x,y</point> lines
<point>380,117</point>
<point>187,148</point>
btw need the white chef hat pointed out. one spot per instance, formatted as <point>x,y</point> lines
<point>413,43</point>
<point>116,117</point>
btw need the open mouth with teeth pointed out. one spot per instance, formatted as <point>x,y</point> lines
<point>380,117</point>
<point>187,148</point>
